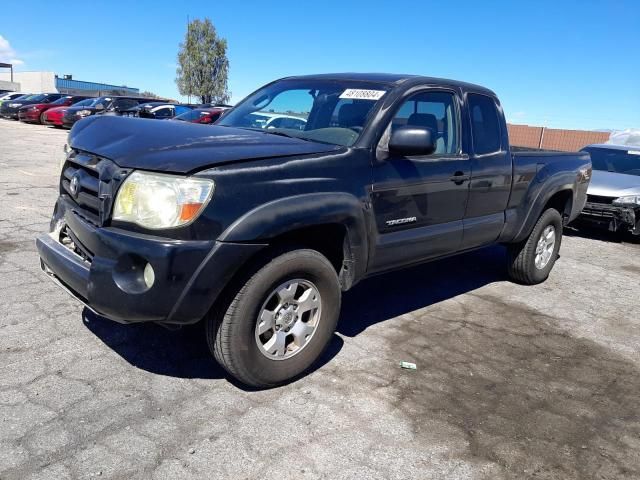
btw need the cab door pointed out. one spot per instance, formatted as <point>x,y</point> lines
<point>419,202</point>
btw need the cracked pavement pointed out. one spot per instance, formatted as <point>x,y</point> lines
<point>513,382</point>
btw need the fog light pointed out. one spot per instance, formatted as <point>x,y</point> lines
<point>149,275</point>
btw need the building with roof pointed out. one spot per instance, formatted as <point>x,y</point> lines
<point>44,82</point>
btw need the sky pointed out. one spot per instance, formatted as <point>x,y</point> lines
<point>561,64</point>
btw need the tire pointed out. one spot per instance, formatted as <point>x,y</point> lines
<point>232,333</point>
<point>42,118</point>
<point>522,256</point>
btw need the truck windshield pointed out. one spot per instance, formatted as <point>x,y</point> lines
<point>618,161</point>
<point>329,111</point>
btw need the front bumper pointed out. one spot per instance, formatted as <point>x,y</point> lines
<point>68,120</point>
<point>29,116</point>
<point>107,276</point>
<point>612,217</point>
<point>53,119</point>
<point>9,114</point>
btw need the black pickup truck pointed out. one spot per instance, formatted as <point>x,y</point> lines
<point>257,230</point>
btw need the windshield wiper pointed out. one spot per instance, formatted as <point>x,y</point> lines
<point>282,134</point>
<point>273,132</point>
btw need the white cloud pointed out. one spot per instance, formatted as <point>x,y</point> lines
<point>8,54</point>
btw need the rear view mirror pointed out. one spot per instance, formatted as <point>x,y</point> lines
<point>409,141</point>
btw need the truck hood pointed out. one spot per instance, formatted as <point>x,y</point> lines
<point>611,184</point>
<point>181,147</point>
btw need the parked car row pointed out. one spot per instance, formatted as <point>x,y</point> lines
<point>63,111</point>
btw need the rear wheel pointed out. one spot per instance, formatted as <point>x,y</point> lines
<point>531,261</point>
<point>279,320</point>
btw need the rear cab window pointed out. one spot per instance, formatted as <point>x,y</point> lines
<point>485,124</point>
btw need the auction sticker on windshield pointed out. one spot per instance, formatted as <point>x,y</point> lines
<point>360,94</point>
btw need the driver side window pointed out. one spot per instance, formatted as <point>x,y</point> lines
<point>433,110</point>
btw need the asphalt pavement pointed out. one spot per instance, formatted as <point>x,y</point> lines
<point>512,382</point>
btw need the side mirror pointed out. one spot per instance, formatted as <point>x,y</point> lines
<point>408,141</point>
<point>99,106</point>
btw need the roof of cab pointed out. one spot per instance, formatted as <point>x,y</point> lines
<point>394,79</point>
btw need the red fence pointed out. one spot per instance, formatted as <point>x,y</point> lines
<point>552,138</point>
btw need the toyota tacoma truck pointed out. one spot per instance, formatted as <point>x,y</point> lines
<point>257,231</point>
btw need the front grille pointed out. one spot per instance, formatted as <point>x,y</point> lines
<point>600,199</point>
<point>91,183</point>
<point>599,210</point>
<point>597,213</point>
<point>70,241</point>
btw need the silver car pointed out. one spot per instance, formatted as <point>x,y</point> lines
<point>613,197</point>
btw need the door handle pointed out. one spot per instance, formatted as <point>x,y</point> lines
<point>459,178</point>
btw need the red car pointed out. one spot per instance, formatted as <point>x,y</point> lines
<point>53,116</point>
<point>202,115</point>
<point>35,113</point>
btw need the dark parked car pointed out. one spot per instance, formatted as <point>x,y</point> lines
<point>202,115</point>
<point>258,231</point>
<point>107,105</point>
<point>35,113</point>
<point>613,198</point>
<point>11,109</point>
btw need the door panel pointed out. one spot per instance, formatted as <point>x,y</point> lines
<point>419,206</point>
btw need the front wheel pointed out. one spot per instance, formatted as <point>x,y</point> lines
<point>279,321</point>
<point>531,261</point>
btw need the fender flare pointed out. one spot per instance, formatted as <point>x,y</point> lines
<point>284,215</point>
<point>538,205</point>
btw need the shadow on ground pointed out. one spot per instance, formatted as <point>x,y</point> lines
<point>387,296</point>
<point>184,353</point>
<point>181,353</point>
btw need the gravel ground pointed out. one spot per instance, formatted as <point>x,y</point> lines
<point>512,381</point>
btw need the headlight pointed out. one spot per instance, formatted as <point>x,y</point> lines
<point>15,105</point>
<point>156,201</point>
<point>83,113</point>
<point>33,108</point>
<point>628,201</point>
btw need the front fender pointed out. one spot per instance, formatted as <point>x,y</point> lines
<point>296,212</point>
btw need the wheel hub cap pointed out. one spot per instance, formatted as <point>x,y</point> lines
<point>288,319</point>
<point>545,247</point>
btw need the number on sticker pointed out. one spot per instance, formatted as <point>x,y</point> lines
<point>361,94</point>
